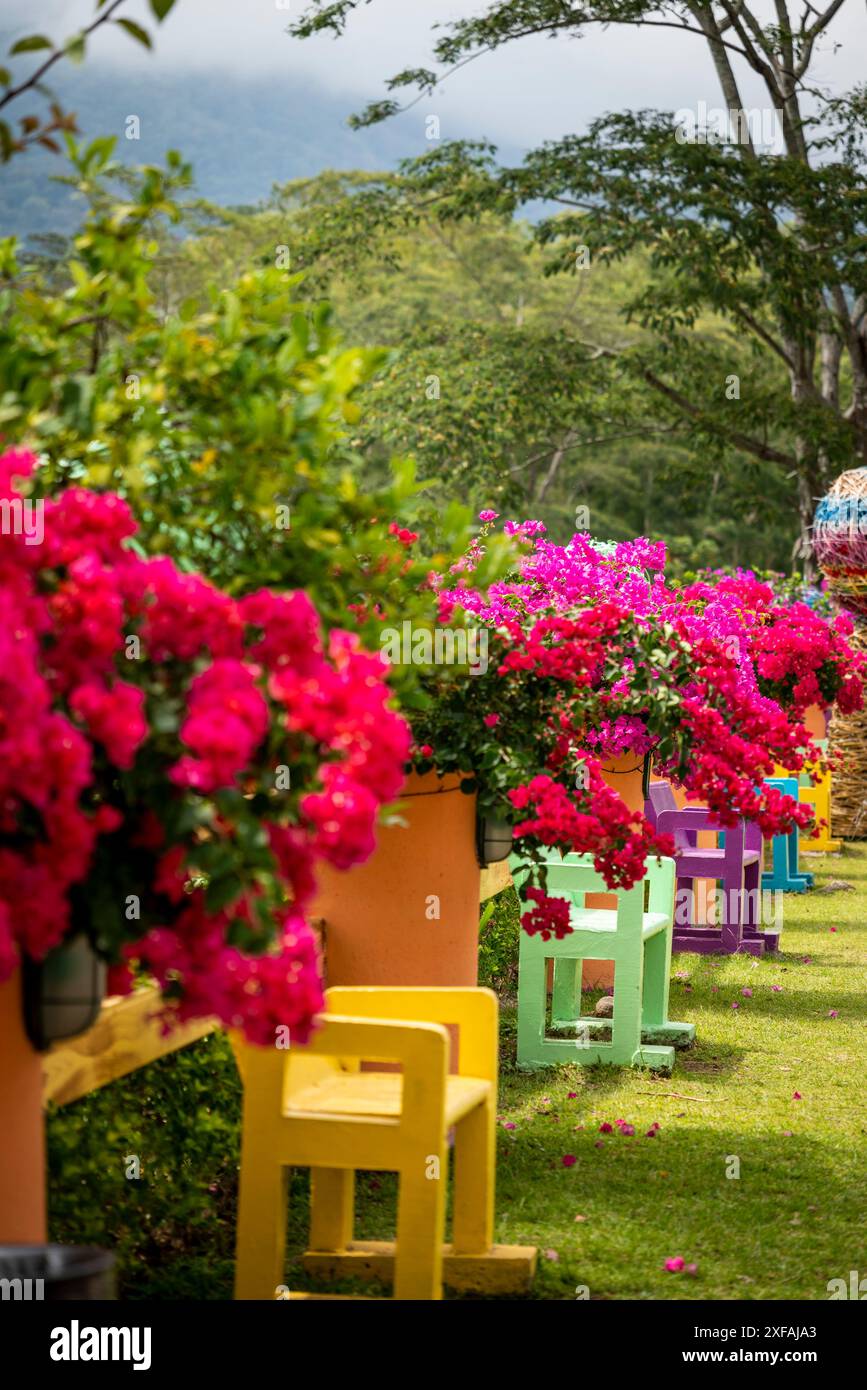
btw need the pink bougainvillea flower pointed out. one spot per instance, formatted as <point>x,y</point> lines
<point>675,1264</point>
<point>573,1095</point>
<point>776,989</point>
<point>832,928</point>
<point>735,1005</point>
<point>747,992</point>
<point>491,721</point>
<point>832,1013</point>
<point>796,1095</point>
<point>510,1124</point>
<point>488,515</point>
<point>552,1255</point>
<point>569,1160</point>
<point>606,1128</point>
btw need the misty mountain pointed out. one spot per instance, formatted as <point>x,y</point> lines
<point>241,135</point>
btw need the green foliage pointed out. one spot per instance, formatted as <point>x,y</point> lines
<point>499,933</point>
<point>225,424</point>
<point>173,1229</point>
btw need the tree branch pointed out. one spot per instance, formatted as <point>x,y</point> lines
<point>56,56</point>
<point>756,447</point>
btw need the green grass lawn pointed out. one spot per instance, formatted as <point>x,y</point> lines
<point>792,1220</point>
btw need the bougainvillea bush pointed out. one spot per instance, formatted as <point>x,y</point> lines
<point>592,655</point>
<point>174,763</point>
<point>798,650</point>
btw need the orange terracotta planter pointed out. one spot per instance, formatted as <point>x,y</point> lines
<point>815,721</point>
<point>410,915</point>
<point>22,1141</point>
<point>624,775</point>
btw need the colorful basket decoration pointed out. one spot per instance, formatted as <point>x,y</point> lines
<point>840,539</point>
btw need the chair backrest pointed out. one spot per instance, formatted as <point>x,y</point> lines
<point>660,797</point>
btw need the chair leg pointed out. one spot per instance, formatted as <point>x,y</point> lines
<point>626,1023</point>
<point>532,998</point>
<point>473,1199</point>
<point>566,994</point>
<point>421,1218</point>
<point>657,961</point>
<point>260,1252</point>
<point>332,1208</point>
<point>733,883</point>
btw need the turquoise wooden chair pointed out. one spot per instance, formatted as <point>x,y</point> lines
<point>784,873</point>
<point>637,940</point>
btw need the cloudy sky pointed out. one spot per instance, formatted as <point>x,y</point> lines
<point>527,92</point>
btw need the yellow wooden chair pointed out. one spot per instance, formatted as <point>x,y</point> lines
<point>314,1107</point>
<point>818,796</point>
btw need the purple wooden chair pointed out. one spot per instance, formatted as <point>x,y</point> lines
<point>737,864</point>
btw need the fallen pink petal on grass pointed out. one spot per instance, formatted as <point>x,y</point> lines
<point>569,1160</point>
<point>747,993</point>
<point>796,1095</point>
<point>832,1013</point>
<point>675,1265</point>
<point>552,1255</point>
<point>606,1128</point>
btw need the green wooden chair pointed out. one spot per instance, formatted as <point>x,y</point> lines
<point>637,938</point>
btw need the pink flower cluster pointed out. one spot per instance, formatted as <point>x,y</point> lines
<point>160,782</point>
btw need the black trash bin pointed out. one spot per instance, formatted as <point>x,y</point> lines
<point>56,1272</point>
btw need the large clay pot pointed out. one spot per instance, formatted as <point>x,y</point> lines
<point>410,915</point>
<point>816,720</point>
<point>22,1143</point>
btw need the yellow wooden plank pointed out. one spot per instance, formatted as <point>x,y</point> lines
<point>502,1269</point>
<point>123,1038</point>
<point>494,879</point>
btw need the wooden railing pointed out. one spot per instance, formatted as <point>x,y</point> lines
<point>124,1037</point>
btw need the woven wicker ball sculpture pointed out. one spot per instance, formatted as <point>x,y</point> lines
<point>840,539</point>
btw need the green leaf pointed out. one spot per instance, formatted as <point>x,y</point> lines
<point>222,891</point>
<point>5,77</point>
<point>30,44</point>
<point>75,49</point>
<point>161,7</point>
<point>136,30</point>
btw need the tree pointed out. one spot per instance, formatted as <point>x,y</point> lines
<point>769,240</point>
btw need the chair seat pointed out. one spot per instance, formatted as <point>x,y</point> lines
<point>380,1096</point>
<point>599,920</point>
<point>715,856</point>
